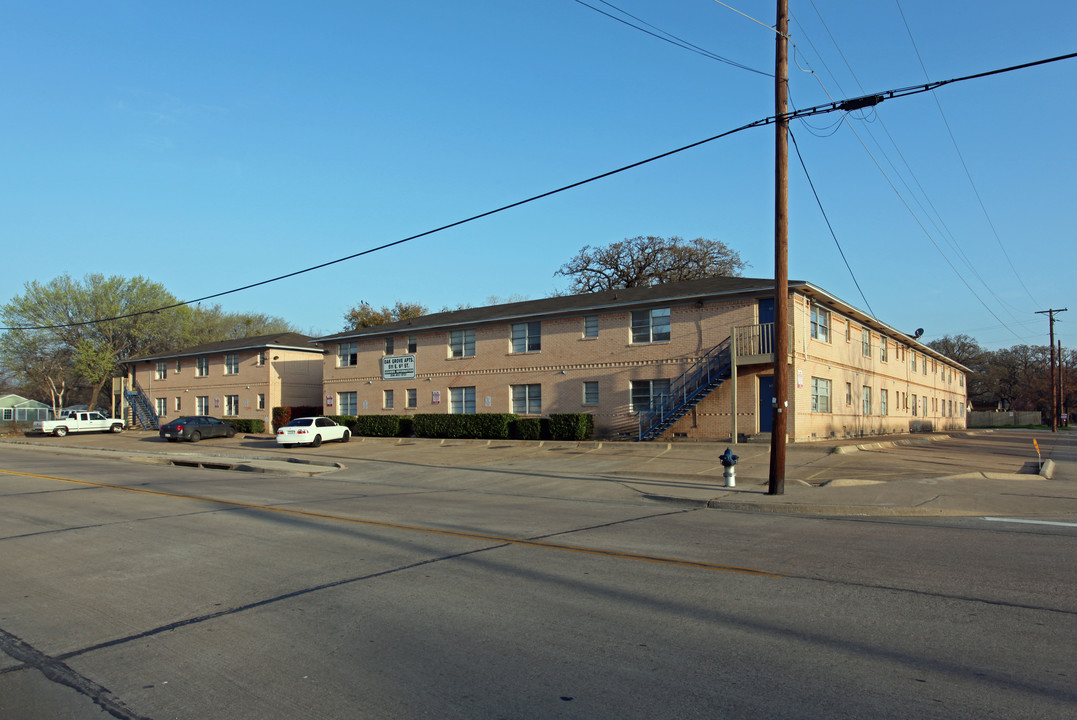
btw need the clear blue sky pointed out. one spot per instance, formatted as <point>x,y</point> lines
<point>212,145</point>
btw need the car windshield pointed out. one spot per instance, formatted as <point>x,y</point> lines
<point>300,422</point>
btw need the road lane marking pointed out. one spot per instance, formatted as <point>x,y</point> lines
<point>679,562</point>
<point>1031,522</point>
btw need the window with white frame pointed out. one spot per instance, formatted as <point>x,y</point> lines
<point>201,369</point>
<point>231,405</point>
<point>162,370</point>
<point>882,349</point>
<point>162,406</point>
<point>413,343</point>
<point>178,403</point>
<point>527,399</point>
<point>914,405</point>
<point>884,402</point>
<point>650,326</point>
<point>913,361</point>
<point>387,399</point>
<point>848,393</point>
<point>462,343</point>
<point>865,342</point>
<point>413,397</point>
<point>820,323</point>
<point>590,326</point>
<point>347,354</point>
<point>231,363</point>
<point>526,337</point>
<point>820,395</point>
<point>201,405</point>
<point>866,397</point>
<point>9,413</point>
<point>390,345</point>
<point>646,394</point>
<point>261,358</point>
<point>590,392</point>
<point>179,364</point>
<point>261,403</point>
<point>462,400</point>
<point>348,403</point>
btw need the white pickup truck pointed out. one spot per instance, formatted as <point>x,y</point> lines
<point>79,422</point>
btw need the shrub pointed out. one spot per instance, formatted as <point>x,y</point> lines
<point>381,425</point>
<point>281,415</point>
<point>480,425</point>
<point>528,428</point>
<point>247,425</point>
<point>572,426</point>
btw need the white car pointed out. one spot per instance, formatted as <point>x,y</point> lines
<point>311,431</point>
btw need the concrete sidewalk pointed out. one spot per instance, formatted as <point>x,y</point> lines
<point>977,473</point>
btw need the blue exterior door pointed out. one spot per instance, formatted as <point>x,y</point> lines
<point>766,403</point>
<point>766,310</point>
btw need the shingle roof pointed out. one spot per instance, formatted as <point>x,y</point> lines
<point>289,341</point>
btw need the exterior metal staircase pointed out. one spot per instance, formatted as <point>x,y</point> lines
<point>686,391</point>
<point>141,408</point>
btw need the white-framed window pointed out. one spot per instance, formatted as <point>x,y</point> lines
<point>462,400</point>
<point>848,393</point>
<point>162,406</point>
<point>348,403</point>
<point>201,405</point>
<point>526,337</point>
<point>527,399</point>
<point>179,364</point>
<point>261,358</point>
<point>590,392</point>
<point>913,361</point>
<point>462,343</point>
<point>914,405</point>
<point>649,326</point>
<point>924,363</point>
<point>820,323</point>
<point>413,397</point>
<point>884,402</point>
<point>390,345</point>
<point>231,363</point>
<point>646,393</point>
<point>590,326</point>
<point>866,397</point>
<point>865,342</point>
<point>960,380</point>
<point>848,330</point>
<point>820,395</point>
<point>9,413</point>
<point>387,399</point>
<point>179,402</point>
<point>413,344</point>
<point>201,369</point>
<point>162,370</point>
<point>261,402</point>
<point>882,349</point>
<point>347,354</point>
<point>231,405</point>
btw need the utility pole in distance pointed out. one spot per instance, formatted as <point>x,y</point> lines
<point>781,253</point>
<point>1054,383</point>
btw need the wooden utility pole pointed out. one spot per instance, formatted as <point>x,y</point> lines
<point>1054,382</point>
<point>781,253</point>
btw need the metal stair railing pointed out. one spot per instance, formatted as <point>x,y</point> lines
<point>686,391</point>
<point>141,407</point>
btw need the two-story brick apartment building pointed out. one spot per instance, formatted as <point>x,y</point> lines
<point>242,378</point>
<point>618,354</point>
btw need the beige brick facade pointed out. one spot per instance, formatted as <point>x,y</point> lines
<point>571,372</point>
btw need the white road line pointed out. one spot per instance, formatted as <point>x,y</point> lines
<point>1030,522</point>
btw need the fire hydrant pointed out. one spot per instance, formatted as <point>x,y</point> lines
<point>729,460</point>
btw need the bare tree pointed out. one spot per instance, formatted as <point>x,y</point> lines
<point>643,261</point>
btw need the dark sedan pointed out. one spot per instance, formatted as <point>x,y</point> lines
<point>195,428</point>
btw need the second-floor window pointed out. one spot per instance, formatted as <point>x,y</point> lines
<point>413,344</point>
<point>526,337</point>
<point>650,326</point>
<point>590,326</point>
<point>865,341</point>
<point>231,363</point>
<point>820,323</point>
<point>462,343</point>
<point>347,354</point>
<point>389,345</point>
<point>162,371</point>
<point>201,369</point>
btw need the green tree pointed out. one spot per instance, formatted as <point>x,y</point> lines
<point>364,315</point>
<point>644,261</point>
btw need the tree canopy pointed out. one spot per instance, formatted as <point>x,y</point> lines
<point>75,333</point>
<point>643,261</point>
<point>364,315</point>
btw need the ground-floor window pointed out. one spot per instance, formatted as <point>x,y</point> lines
<point>590,392</point>
<point>347,403</point>
<point>527,399</point>
<point>179,401</point>
<point>820,395</point>
<point>387,399</point>
<point>231,405</point>
<point>413,397</point>
<point>884,402</point>
<point>201,404</point>
<point>647,393</point>
<point>867,400</point>
<point>261,401</point>
<point>461,400</point>
<point>162,406</point>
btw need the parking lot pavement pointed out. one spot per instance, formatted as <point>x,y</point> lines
<point>978,473</point>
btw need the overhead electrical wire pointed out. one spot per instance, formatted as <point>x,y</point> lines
<point>843,105</point>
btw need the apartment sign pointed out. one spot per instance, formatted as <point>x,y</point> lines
<point>398,367</point>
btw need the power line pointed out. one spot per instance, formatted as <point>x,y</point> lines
<point>844,105</point>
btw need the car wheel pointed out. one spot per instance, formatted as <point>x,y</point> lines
<point>346,437</point>
<point>116,428</point>
<point>171,439</point>
<point>196,436</point>
<point>60,431</point>
<point>230,433</point>
<point>317,441</point>
<point>286,446</point>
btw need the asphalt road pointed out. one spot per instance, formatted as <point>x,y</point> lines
<point>399,590</point>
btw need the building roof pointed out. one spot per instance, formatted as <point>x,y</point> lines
<point>13,401</point>
<point>627,298</point>
<point>279,341</point>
